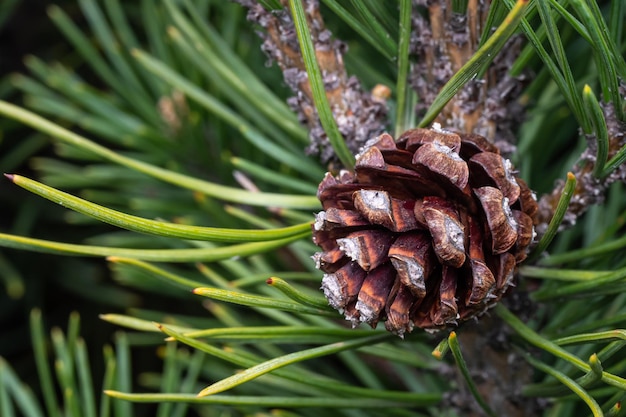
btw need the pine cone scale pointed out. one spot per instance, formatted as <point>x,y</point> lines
<point>374,294</point>
<point>502,225</point>
<point>413,258</point>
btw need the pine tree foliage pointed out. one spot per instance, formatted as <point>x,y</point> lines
<point>189,139</point>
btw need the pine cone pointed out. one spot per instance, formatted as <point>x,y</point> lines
<point>426,232</point>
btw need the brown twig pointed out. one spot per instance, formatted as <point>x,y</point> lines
<point>589,189</point>
<point>360,115</point>
<point>443,42</point>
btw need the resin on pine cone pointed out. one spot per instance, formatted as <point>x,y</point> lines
<point>426,232</point>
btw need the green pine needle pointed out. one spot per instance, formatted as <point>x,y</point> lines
<point>158,228</point>
<point>455,348</point>
<point>317,85</point>
<point>158,255</point>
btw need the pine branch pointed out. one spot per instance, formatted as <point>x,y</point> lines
<point>360,115</point>
<point>591,189</point>
<point>442,43</point>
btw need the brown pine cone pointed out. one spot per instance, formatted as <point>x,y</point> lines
<point>427,231</point>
